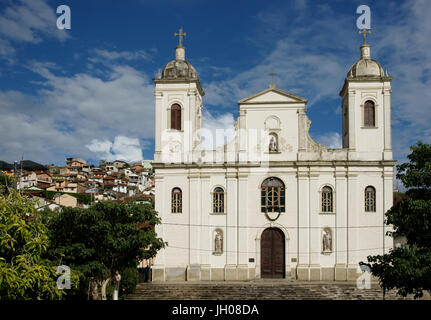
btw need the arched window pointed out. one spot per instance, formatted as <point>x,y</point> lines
<point>272,195</point>
<point>327,199</point>
<point>369,114</point>
<point>177,200</point>
<point>176,117</point>
<point>370,199</point>
<point>218,200</point>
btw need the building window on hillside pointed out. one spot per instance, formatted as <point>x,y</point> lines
<point>369,114</point>
<point>176,117</point>
<point>327,199</point>
<point>370,199</point>
<point>177,201</point>
<point>272,195</point>
<point>218,200</point>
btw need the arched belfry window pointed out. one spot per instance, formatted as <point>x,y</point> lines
<point>176,117</point>
<point>177,200</point>
<point>370,199</point>
<point>218,200</point>
<point>273,195</point>
<point>369,114</point>
<point>327,199</point>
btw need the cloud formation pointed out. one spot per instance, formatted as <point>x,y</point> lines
<point>27,21</point>
<point>332,140</point>
<point>217,129</point>
<point>123,148</point>
<point>69,112</point>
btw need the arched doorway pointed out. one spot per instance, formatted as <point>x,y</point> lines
<point>272,253</point>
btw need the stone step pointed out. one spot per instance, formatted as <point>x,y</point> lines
<point>282,290</point>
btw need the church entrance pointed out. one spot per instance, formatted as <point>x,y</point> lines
<point>272,253</point>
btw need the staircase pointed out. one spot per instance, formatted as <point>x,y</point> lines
<point>259,290</point>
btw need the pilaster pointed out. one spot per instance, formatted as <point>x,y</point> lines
<point>314,234</point>
<point>388,189</point>
<point>352,119</point>
<point>352,224</point>
<point>387,153</point>
<point>231,218</point>
<point>194,217</point>
<point>341,224</point>
<point>303,224</point>
<point>158,269</point>
<point>206,230</point>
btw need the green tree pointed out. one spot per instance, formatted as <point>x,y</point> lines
<point>5,183</point>
<point>408,268</point>
<point>24,273</point>
<point>103,239</point>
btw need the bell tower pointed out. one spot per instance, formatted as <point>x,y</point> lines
<point>366,109</point>
<point>178,110</point>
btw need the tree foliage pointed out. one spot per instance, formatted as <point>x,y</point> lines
<point>24,273</point>
<point>408,269</point>
<point>105,238</point>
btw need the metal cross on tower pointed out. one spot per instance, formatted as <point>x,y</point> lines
<point>365,32</point>
<point>180,34</point>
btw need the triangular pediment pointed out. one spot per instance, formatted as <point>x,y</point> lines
<point>272,95</point>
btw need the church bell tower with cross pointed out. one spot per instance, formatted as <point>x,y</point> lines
<point>178,111</point>
<point>366,108</point>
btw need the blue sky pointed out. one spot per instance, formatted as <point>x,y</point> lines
<point>88,91</point>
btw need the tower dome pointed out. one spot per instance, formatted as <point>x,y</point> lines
<point>365,66</point>
<point>179,68</point>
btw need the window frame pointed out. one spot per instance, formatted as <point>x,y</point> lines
<point>221,194</point>
<point>279,191</point>
<point>176,196</point>
<point>370,203</point>
<point>327,199</point>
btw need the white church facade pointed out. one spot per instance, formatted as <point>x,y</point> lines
<point>271,203</point>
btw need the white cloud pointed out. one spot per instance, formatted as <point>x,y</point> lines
<point>220,127</point>
<point>69,112</point>
<point>406,46</point>
<point>332,140</point>
<point>103,56</point>
<point>123,148</point>
<point>27,21</point>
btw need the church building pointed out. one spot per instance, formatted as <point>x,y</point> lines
<point>272,202</point>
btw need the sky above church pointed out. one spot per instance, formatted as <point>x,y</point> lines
<point>88,91</point>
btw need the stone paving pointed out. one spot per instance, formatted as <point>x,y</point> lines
<point>259,290</point>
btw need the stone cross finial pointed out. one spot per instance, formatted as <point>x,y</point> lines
<point>365,32</point>
<point>180,34</point>
<point>272,85</point>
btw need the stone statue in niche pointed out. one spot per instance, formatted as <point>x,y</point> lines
<point>327,241</point>
<point>272,144</point>
<point>218,245</point>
